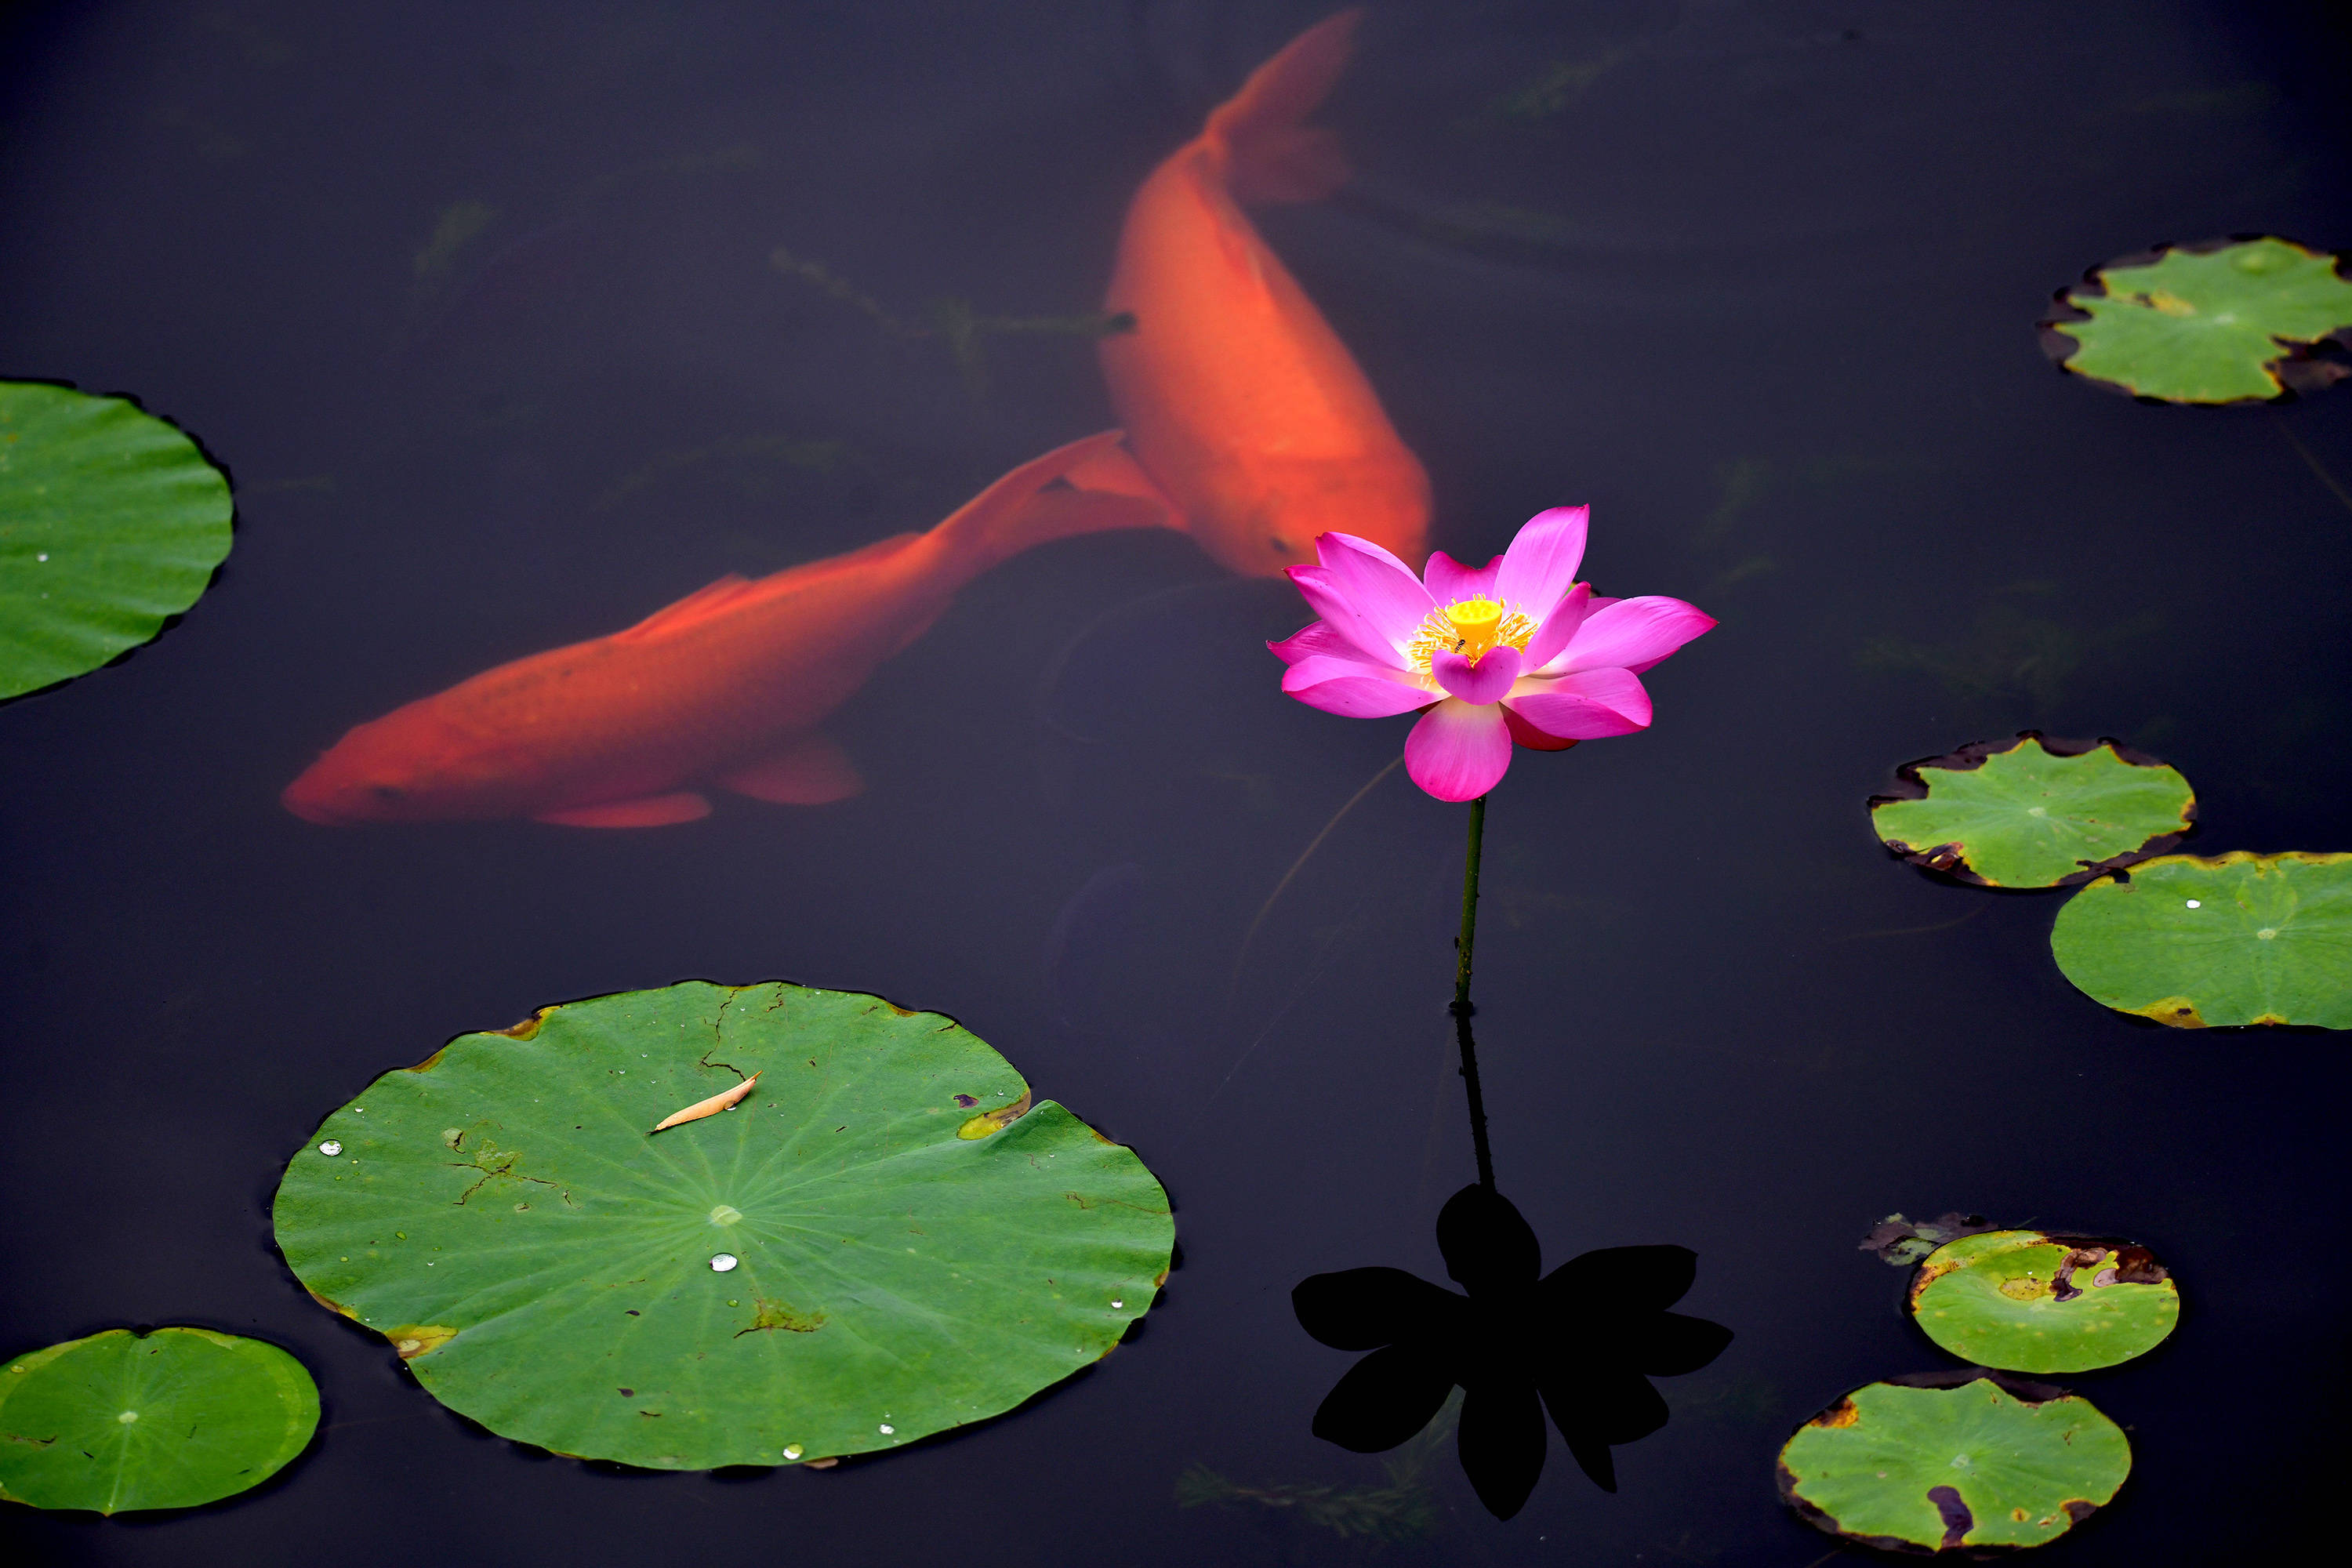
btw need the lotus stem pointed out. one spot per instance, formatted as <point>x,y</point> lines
<point>1463,946</point>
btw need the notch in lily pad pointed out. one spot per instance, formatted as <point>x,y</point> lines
<point>2030,1300</point>
<point>2197,942</point>
<point>2034,812</point>
<point>1966,1462</point>
<point>2242,320</point>
<point>171,1418</point>
<point>842,1263</point>
<point>111,525</point>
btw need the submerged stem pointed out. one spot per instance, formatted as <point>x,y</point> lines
<point>1241,954</point>
<point>2310,459</point>
<point>1463,948</point>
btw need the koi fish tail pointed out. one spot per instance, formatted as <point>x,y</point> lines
<point>1269,154</point>
<point>1087,487</point>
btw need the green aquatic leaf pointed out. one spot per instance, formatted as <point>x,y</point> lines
<point>880,1242</point>
<point>2030,813</point>
<point>2223,325</point>
<point>2212,944</point>
<point>169,1419</point>
<point>1965,1469</point>
<point>112,522</point>
<point>2026,1301</point>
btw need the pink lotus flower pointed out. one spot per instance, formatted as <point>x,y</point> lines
<point>1514,650</point>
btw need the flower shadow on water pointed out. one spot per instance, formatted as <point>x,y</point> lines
<point>1580,1342</point>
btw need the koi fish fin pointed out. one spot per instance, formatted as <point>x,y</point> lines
<point>996,524</point>
<point>1113,469</point>
<point>1107,489</point>
<point>652,811</point>
<point>1064,513</point>
<point>1270,154</point>
<point>811,770</point>
<point>699,605</point>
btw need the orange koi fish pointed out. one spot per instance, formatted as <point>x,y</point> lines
<point>726,686</point>
<point>1244,410</point>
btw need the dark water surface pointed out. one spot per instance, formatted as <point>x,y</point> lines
<point>1757,281</point>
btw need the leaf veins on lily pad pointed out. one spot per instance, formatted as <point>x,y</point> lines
<point>2028,1300</point>
<point>2197,942</point>
<point>2224,321</point>
<point>1972,1469</point>
<point>2034,812</point>
<point>848,1258</point>
<point>112,523</point>
<point>171,1418</point>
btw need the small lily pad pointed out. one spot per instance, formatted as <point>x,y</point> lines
<point>1969,1468</point>
<point>174,1419</point>
<point>880,1241</point>
<point>2034,812</point>
<point>2025,1301</point>
<point>2226,321</point>
<point>112,523</point>
<point>2198,943</point>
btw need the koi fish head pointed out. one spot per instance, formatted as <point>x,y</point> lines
<point>411,765</point>
<point>1386,503</point>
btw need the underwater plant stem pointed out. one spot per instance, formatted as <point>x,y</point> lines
<point>1463,948</point>
<point>2310,459</point>
<point>1241,954</point>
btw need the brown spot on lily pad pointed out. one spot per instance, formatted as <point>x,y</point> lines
<point>772,1314</point>
<point>414,1339</point>
<point>988,1121</point>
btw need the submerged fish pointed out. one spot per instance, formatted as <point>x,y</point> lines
<point>1244,410</point>
<point>726,686</point>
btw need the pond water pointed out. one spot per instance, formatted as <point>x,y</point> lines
<point>477,304</point>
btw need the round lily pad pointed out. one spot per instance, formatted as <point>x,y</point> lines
<point>168,1419</point>
<point>2034,812</point>
<point>112,522</point>
<point>1967,1468</point>
<point>880,1240</point>
<point>2025,1301</point>
<point>2226,321</point>
<point>2198,943</point>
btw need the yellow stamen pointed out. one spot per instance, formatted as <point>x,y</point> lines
<point>1469,628</point>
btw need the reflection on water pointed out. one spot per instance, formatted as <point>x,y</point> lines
<point>1761,290</point>
<point>1581,1344</point>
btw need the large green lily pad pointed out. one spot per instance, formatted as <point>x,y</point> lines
<point>2025,1301</point>
<point>168,1419</point>
<point>2198,943</point>
<point>2033,813</point>
<point>2224,322</point>
<point>1942,1469</point>
<point>112,522</point>
<point>880,1242</point>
